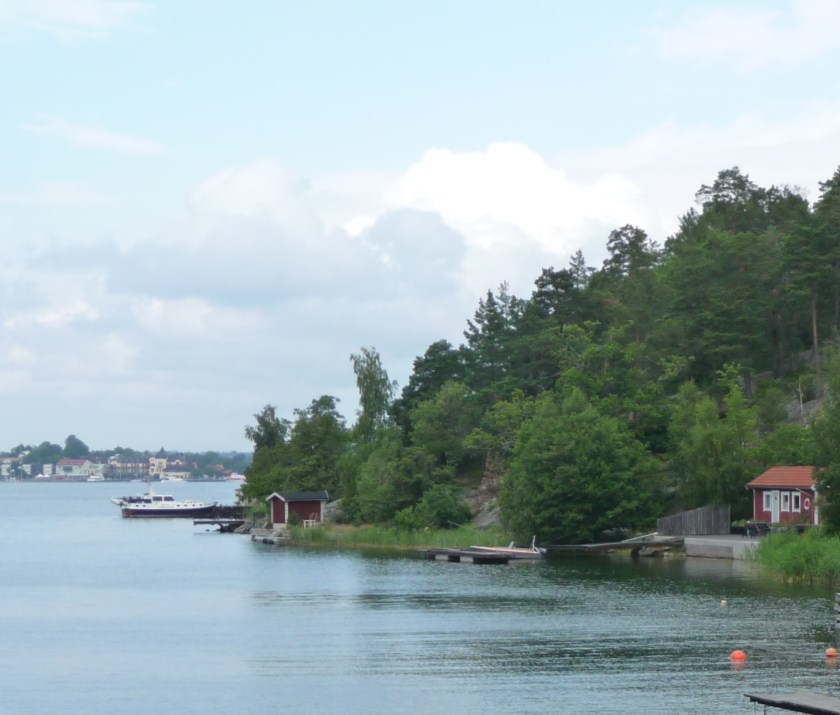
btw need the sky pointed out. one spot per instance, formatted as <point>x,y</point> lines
<point>208,207</point>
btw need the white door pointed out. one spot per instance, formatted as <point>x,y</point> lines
<point>774,506</point>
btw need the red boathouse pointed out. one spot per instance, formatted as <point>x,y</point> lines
<point>309,506</point>
<point>785,495</point>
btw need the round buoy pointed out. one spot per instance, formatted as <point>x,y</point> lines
<point>830,652</point>
<point>738,656</point>
<point>724,603</point>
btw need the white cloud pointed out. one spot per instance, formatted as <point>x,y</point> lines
<point>754,37</point>
<point>71,19</point>
<point>669,162</point>
<point>515,212</point>
<point>262,190</point>
<point>19,355</point>
<point>59,195</point>
<point>188,319</point>
<point>117,353</point>
<point>57,315</point>
<point>511,185</point>
<point>81,135</point>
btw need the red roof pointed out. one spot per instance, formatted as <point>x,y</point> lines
<point>798,477</point>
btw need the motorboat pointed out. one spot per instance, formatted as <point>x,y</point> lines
<point>151,505</point>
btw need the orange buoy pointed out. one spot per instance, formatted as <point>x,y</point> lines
<point>738,656</point>
<point>830,652</point>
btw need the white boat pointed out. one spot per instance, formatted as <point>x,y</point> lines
<point>515,552</point>
<point>96,478</point>
<point>234,477</point>
<point>151,505</point>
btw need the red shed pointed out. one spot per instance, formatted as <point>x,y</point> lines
<point>785,495</point>
<point>309,506</point>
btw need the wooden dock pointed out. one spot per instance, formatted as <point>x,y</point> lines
<point>483,555</point>
<point>811,703</point>
<point>465,556</point>
<point>646,546</point>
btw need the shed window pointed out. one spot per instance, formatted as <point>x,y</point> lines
<point>785,501</point>
<point>767,505</point>
<point>796,502</point>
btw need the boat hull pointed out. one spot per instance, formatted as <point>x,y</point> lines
<point>143,511</point>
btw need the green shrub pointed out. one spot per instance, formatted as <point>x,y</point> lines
<point>812,556</point>
<point>393,537</point>
<point>440,508</point>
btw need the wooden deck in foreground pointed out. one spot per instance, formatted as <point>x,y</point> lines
<point>812,703</point>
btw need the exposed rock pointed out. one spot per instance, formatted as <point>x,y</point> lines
<point>483,499</point>
<point>333,512</point>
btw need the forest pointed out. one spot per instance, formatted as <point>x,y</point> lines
<point>665,379</point>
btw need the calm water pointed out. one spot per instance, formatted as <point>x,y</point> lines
<point>104,614</point>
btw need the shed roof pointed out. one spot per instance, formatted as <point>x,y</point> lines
<point>300,496</point>
<point>801,477</point>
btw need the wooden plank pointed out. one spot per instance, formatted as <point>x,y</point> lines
<point>810,703</point>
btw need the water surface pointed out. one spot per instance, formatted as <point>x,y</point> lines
<point>104,614</point>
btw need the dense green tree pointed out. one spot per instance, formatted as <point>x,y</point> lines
<point>713,452</point>
<point>827,446</point>
<point>489,336</point>
<point>392,478</point>
<point>787,444</point>
<point>441,423</point>
<point>74,448</point>
<point>318,440</point>
<point>751,277</point>
<point>495,436</point>
<point>269,431</point>
<point>827,244</point>
<point>576,473</point>
<point>44,453</point>
<point>376,392</point>
<point>441,507</point>
<point>441,363</point>
<point>270,437</point>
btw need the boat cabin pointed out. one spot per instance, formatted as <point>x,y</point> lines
<point>785,495</point>
<point>308,506</point>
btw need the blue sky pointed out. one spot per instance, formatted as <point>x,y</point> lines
<point>206,207</point>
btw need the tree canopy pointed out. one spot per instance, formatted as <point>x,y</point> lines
<point>665,379</point>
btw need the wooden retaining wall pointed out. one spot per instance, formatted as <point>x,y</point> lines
<point>705,521</point>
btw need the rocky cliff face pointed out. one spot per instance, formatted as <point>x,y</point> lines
<point>483,500</point>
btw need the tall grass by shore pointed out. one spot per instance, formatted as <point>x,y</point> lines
<point>389,537</point>
<point>812,557</point>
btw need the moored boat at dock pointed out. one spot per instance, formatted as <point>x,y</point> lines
<point>514,552</point>
<point>151,505</point>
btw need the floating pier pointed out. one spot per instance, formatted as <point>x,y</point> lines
<point>465,556</point>
<point>482,555</point>
<point>811,703</point>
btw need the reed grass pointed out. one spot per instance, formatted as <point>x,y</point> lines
<point>390,537</point>
<point>812,557</point>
